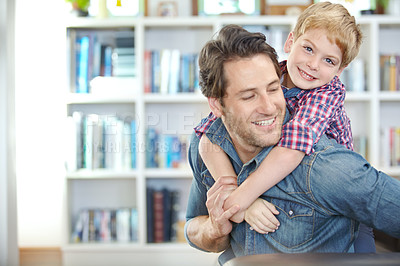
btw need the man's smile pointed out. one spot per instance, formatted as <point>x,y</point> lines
<point>265,122</point>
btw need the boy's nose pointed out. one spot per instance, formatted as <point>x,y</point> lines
<point>313,64</point>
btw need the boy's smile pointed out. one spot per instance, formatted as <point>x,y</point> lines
<point>313,60</point>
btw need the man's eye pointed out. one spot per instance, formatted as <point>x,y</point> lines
<point>247,97</point>
<point>274,89</point>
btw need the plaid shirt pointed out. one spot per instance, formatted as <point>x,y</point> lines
<point>314,112</point>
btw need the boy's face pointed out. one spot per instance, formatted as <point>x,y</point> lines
<point>254,106</point>
<point>313,60</point>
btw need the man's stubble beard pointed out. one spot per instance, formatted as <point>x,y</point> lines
<point>239,129</point>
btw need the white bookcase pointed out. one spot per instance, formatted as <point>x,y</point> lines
<point>370,111</point>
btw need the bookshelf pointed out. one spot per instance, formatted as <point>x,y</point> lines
<point>175,114</point>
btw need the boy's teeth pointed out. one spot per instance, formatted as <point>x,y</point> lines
<point>306,75</point>
<point>264,122</point>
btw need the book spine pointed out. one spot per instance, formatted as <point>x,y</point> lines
<point>83,86</point>
<point>158,216</point>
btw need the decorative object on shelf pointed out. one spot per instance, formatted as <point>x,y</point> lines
<point>167,9</point>
<point>80,7</point>
<point>117,8</point>
<point>286,7</point>
<point>227,7</point>
<point>355,7</point>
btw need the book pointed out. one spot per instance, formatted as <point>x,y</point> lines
<point>389,72</point>
<point>155,71</point>
<point>165,68</point>
<point>134,224</point>
<point>149,215</point>
<point>147,71</point>
<point>392,73</point>
<point>123,217</point>
<point>167,214</point>
<point>151,148</point>
<point>82,74</point>
<point>158,216</point>
<point>106,60</point>
<point>175,209</point>
<point>133,144</point>
<point>105,226</point>
<point>173,86</point>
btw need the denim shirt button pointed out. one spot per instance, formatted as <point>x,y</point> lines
<point>290,212</point>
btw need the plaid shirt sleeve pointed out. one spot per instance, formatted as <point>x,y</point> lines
<point>204,125</point>
<point>315,111</point>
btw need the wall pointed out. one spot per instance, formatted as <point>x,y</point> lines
<point>8,204</point>
<point>40,77</point>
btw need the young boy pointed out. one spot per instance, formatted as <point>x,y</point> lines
<point>324,41</point>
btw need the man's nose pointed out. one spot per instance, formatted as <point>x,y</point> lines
<point>265,104</point>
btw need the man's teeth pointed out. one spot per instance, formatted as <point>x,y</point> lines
<point>264,122</point>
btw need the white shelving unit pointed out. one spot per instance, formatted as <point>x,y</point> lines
<point>178,114</point>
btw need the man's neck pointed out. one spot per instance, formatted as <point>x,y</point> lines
<point>244,151</point>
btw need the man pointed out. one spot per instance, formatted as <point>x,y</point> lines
<point>320,203</point>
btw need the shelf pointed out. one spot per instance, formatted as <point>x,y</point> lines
<point>175,98</point>
<point>392,171</point>
<point>102,174</point>
<point>389,96</point>
<point>169,173</point>
<point>358,96</point>
<point>89,98</point>
<point>93,23</point>
<point>116,246</point>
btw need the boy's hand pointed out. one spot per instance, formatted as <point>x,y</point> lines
<point>261,216</point>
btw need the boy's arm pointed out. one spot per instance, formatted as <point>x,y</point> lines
<point>276,166</point>
<point>215,159</point>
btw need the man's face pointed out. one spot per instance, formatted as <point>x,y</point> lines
<point>313,60</point>
<point>254,106</point>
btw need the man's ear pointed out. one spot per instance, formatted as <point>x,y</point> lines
<point>215,106</point>
<point>288,44</point>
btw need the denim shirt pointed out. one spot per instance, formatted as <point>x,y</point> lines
<point>320,203</point>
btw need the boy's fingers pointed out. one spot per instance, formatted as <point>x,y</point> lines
<point>271,207</point>
<point>231,211</point>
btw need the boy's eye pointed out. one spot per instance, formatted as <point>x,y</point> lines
<point>308,49</point>
<point>329,61</point>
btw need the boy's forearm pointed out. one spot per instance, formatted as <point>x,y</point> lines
<point>215,159</point>
<point>276,166</point>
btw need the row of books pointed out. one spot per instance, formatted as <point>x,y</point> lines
<point>360,143</point>
<point>390,143</point>
<point>106,225</point>
<point>163,210</point>
<point>354,76</point>
<point>165,151</point>
<point>100,141</point>
<point>168,71</point>
<point>390,72</point>
<point>102,53</point>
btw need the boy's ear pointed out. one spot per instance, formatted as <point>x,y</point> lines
<point>288,44</point>
<point>215,106</point>
<point>340,71</point>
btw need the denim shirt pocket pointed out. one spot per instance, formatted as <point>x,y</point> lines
<point>207,179</point>
<point>297,225</point>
